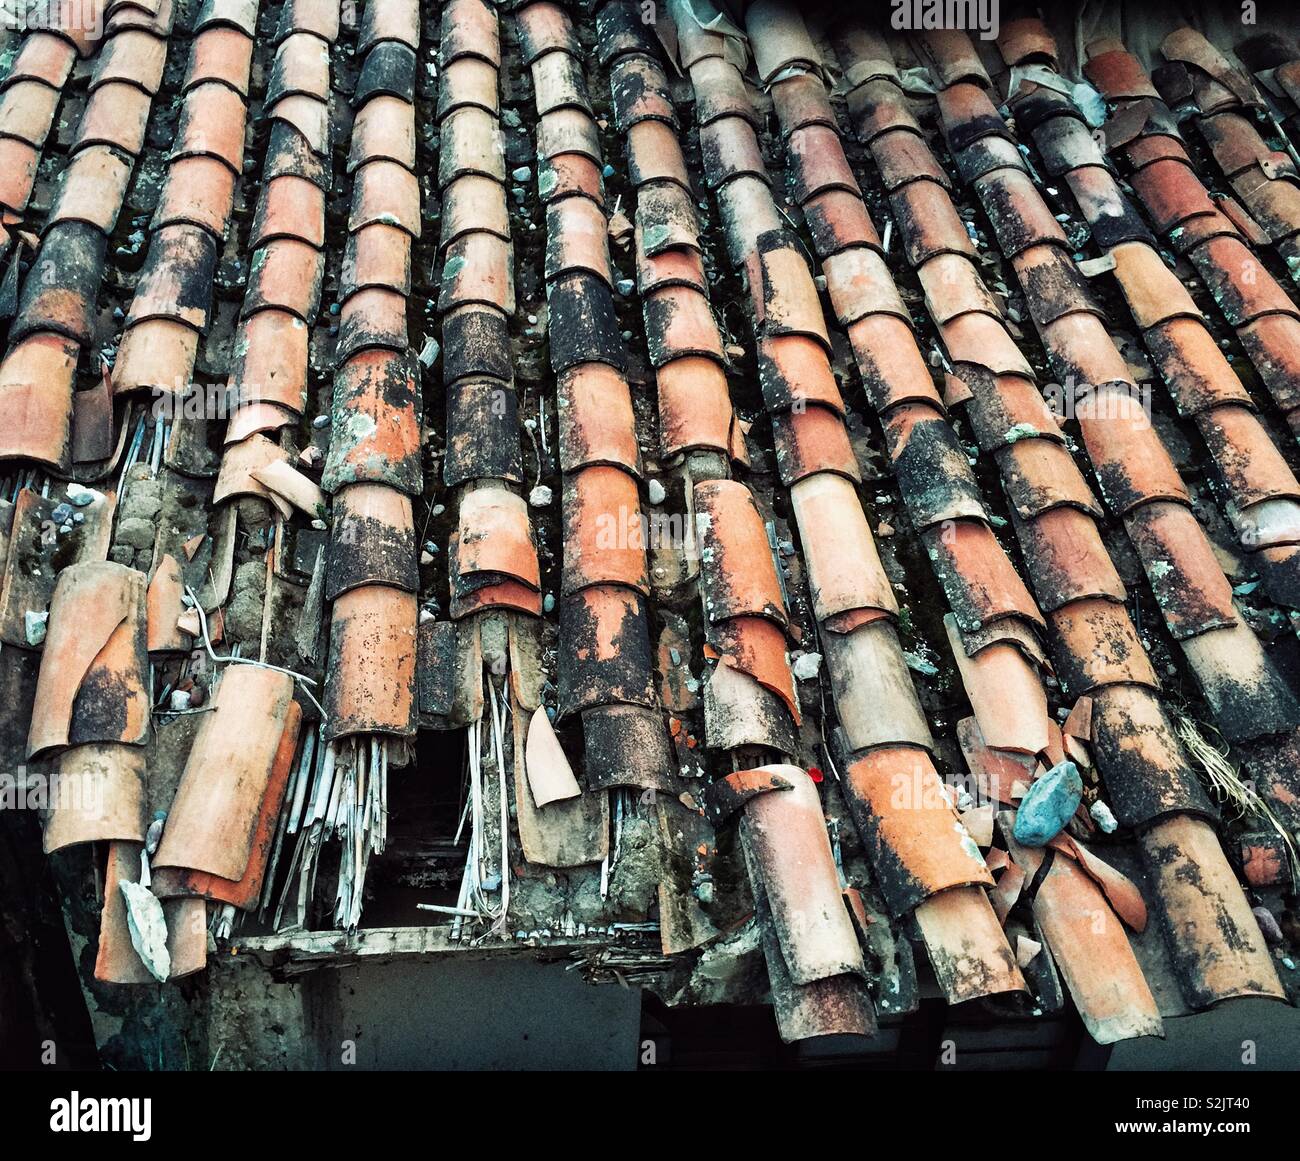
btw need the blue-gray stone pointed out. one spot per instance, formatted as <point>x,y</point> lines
<point>1048,805</point>
<point>62,513</point>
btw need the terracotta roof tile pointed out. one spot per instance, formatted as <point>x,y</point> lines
<point>385,192</point>
<point>198,191</point>
<point>790,305</point>
<point>1008,410</point>
<point>1005,693</point>
<point>1066,560</point>
<point>290,207</point>
<point>574,131</point>
<point>478,267</point>
<point>370,319</point>
<point>156,354</point>
<point>1197,375</point>
<point>927,222</point>
<point>43,57</point>
<point>818,163</point>
<point>91,188</point>
<point>918,846</point>
<point>902,157</point>
<point>878,106</point>
<point>756,647</point>
<point>220,54</point>
<point>482,433</point>
<point>285,274</point>
<point>977,576</point>
<point>27,111</point>
<point>466,145</point>
<point>475,342</point>
<point>18,165</point>
<point>469,29</point>
<point>640,91</point>
<point>604,538</point>
<point>779,40</point>
<point>545,27</point>
<point>227,774</point>
<point>801,100</point>
<point>837,220</point>
<point>844,571</point>
<point>1020,217</point>
<point>607,657</point>
<point>1099,646</point>
<point>559,83</point>
<point>466,82</point>
<point>893,369</point>
<point>1039,474</point>
<point>731,150</point>
<point>211,125</point>
<point>570,173</point>
<point>370,680</point>
<point>94,665</point>
<point>583,326</point>
<point>1210,969</point>
<point>666,220</point>
<point>398,21</point>
<point>812,440</point>
<point>679,323</point>
<point>383,130</point>
<point>1106,982</point>
<point>597,424</point>
<point>372,535</point>
<point>931,466</point>
<point>654,154</point>
<point>738,573</point>
<point>388,69</point>
<point>859,284</point>
<point>577,239</point>
<point>470,203</point>
<point>719,91</point>
<point>793,371</point>
<point>271,359</point>
<point>375,434</point>
<point>495,539</point>
<point>694,405</point>
<point>1192,591</point>
<point>77,251</point>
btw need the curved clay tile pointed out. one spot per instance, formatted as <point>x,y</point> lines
<point>731,150</point>
<point>597,424</point>
<point>576,240</point>
<point>640,92</point>
<point>372,540</point>
<point>467,82</point>
<point>377,256</point>
<point>376,423</point>
<point>694,406</point>
<point>838,219</point>
<point>94,665</point>
<point>212,819</point>
<point>607,656</point>
<point>223,55</point>
<point>290,207</point>
<point>545,27</point>
<point>495,537</point>
<point>918,845</point>
<point>370,682</point>
<point>756,647</point>
<point>469,29</point>
<point>738,572</point>
<point>787,837</point>
<point>199,191</point>
<point>845,576</point>
<point>111,776</point>
<point>604,534</point>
